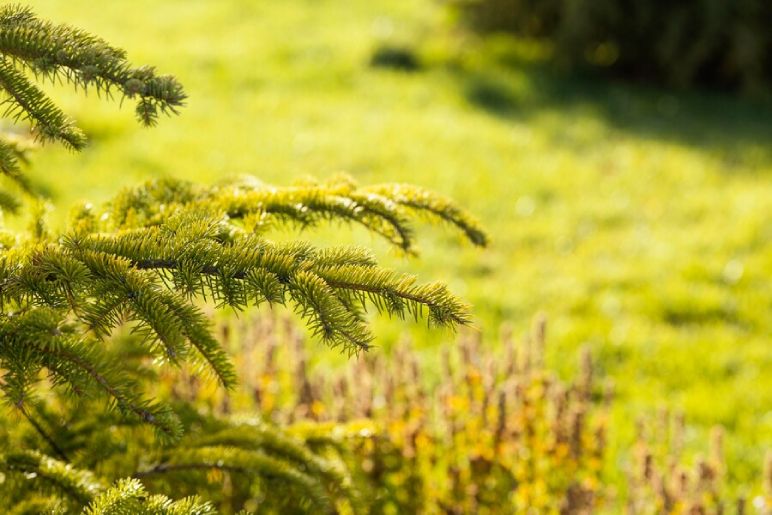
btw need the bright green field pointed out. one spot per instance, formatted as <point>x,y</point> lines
<point>639,220</point>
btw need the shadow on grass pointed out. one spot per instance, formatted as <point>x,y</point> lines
<point>510,87</point>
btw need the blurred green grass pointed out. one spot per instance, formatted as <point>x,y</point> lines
<point>638,220</point>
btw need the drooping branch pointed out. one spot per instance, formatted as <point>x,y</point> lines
<point>27,102</point>
<point>249,463</point>
<point>386,210</point>
<point>42,432</point>
<point>79,485</point>
<point>65,53</point>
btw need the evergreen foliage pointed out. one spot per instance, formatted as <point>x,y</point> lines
<point>86,315</point>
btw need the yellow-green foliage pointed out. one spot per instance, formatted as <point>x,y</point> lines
<point>493,431</point>
<point>144,263</point>
<point>140,263</point>
<point>637,218</point>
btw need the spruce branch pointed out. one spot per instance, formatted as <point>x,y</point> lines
<point>10,155</point>
<point>270,440</point>
<point>39,504</point>
<point>60,52</point>
<point>78,485</point>
<point>250,205</point>
<point>30,46</point>
<point>434,205</point>
<point>9,203</point>
<point>328,288</point>
<point>247,463</point>
<point>85,490</point>
<point>129,496</point>
<point>26,102</point>
<point>39,338</point>
<point>42,432</point>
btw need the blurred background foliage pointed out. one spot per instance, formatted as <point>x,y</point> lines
<point>714,43</point>
<point>636,217</point>
<point>492,431</point>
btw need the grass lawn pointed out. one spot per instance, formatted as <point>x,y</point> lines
<point>638,220</point>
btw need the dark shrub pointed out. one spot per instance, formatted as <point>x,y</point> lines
<point>715,43</point>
